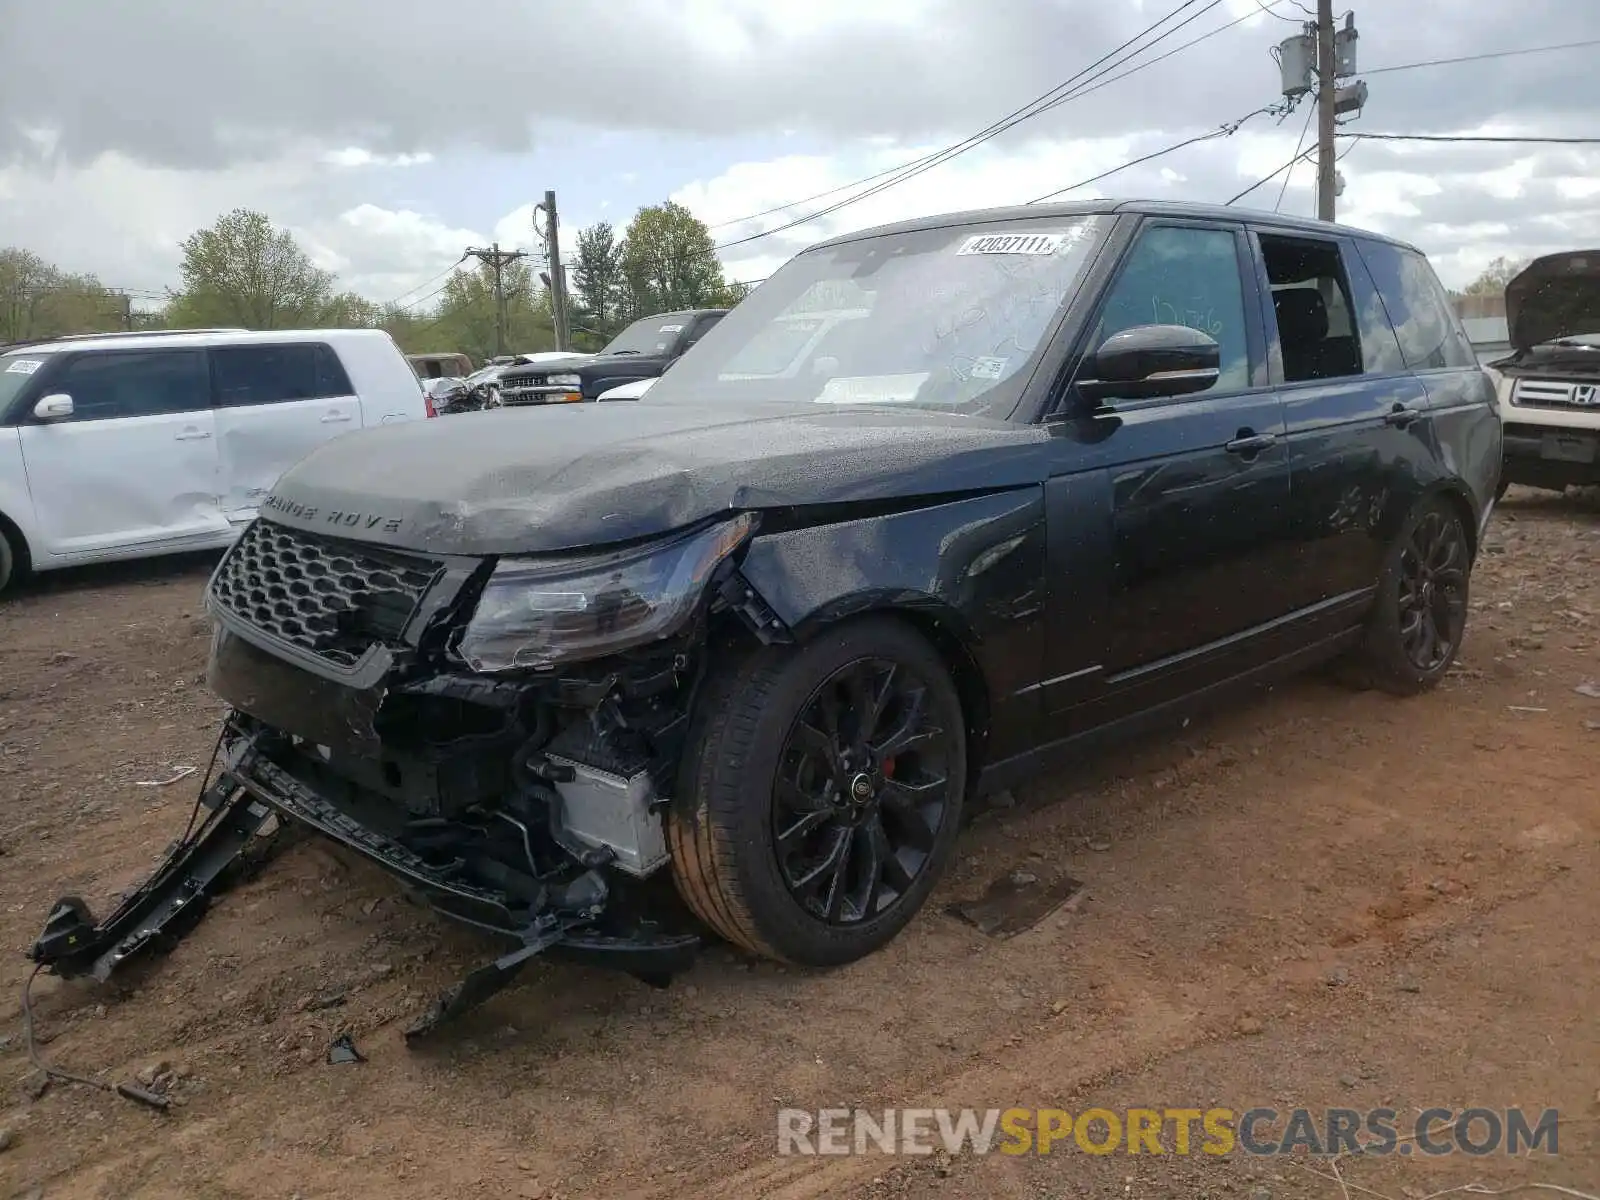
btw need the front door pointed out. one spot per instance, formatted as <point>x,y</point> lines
<point>275,404</point>
<point>136,463</point>
<point>1195,489</point>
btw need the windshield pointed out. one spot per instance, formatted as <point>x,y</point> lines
<point>16,370</point>
<point>653,335</point>
<point>950,318</point>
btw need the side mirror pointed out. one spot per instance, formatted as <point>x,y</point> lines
<point>55,407</point>
<point>1152,360</point>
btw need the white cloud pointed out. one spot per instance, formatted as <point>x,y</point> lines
<point>355,156</point>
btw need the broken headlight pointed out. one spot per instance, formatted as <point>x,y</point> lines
<point>538,613</point>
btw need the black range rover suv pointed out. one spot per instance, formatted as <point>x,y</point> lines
<point>939,505</point>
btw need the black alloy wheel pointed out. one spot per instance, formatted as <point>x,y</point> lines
<point>1433,590</point>
<point>1419,612</point>
<point>862,792</point>
<point>821,791</point>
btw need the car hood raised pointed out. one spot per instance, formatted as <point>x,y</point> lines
<point>1553,297</point>
<point>565,477</point>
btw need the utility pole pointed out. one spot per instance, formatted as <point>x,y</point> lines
<point>557,278</point>
<point>1325,101</point>
<point>1313,63</point>
<point>498,260</point>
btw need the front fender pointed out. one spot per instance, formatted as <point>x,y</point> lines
<point>972,568</point>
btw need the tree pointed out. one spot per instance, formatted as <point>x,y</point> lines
<point>1495,277</point>
<point>669,262</point>
<point>38,299</point>
<point>243,271</point>
<point>599,285</point>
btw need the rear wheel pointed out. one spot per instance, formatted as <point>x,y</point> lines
<point>13,560</point>
<point>822,794</point>
<point>1420,615</point>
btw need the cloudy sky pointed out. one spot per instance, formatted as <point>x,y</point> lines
<point>390,138</point>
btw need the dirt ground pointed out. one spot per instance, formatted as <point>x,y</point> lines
<point>1321,898</point>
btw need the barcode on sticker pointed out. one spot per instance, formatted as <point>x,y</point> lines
<point>1013,243</point>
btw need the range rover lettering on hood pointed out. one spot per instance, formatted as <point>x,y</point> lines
<point>341,518</point>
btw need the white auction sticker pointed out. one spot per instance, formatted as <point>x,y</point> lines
<point>672,329</point>
<point>872,389</point>
<point>1013,243</point>
<point>23,366</point>
<point>988,368</point>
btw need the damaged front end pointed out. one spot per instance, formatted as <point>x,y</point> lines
<point>501,735</point>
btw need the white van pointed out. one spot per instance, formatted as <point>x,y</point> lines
<point>120,446</point>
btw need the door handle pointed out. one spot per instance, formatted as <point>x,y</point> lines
<point>1400,416</point>
<point>330,418</point>
<point>1251,443</point>
<point>191,434</point>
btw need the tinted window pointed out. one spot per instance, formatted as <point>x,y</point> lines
<point>135,383</point>
<point>701,329</point>
<point>1190,277</point>
<point>1380,349</point>
<point>274,374</point>
<point>1420,311</point>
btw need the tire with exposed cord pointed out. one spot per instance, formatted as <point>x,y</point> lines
<point>1420,615</point>
<point>820,794</point>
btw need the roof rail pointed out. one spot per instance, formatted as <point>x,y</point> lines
<point>83,337</point>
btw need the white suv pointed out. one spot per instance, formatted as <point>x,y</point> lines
<point>132,445</point>
<point>1550,385</point>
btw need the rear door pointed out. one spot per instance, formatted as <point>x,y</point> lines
<point>135,465</point>
<point>274,404</point>
<point>1361,440</point>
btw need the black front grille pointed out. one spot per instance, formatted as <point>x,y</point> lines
<point>334,598</point>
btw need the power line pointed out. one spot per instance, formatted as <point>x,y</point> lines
<point>425,283</point>
<point>1311,111</point>
<point>1263,7</point>
<point>1288,166</point>
<point>1451,137</point>
<point>1227,130</point>
<point>1034,108</point>
<point>1077,93</point>
<point>1468,58</point>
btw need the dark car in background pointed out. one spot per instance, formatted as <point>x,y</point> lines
<point>643,350</point>
<point>940,506</point>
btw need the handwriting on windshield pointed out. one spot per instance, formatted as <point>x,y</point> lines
<point>1164,312</point>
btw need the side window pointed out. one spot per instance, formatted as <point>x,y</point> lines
<point>268,374</point>
<point>1317,328</point>
<point>702,327</point>
<point>1430,335</point>
<point>1180,276</point>
<point>332,379</point>
<point>135,383</point>
<point>1380,349</point>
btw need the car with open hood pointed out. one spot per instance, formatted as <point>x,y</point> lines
<point>1549,386</point>
<point>940,506</point>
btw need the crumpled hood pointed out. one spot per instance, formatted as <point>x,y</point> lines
<point>535,481</point>
<point>1554,296</point>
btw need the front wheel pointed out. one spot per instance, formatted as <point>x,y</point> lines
<point>1420,616</point>
<point>821,795</point>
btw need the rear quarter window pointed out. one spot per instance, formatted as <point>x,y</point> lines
<point>275,374</point>
<point>1424,321</point>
